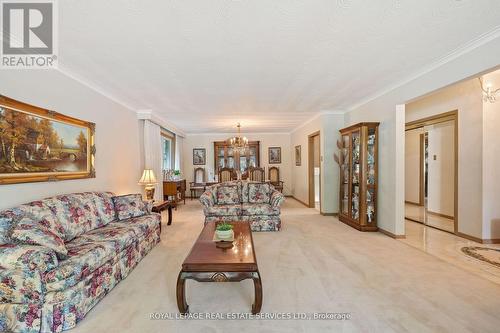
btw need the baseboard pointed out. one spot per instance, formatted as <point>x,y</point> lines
<point>413,203</point>
<point>478,240</point>
<point>302,202</point>
<point>390,234</point>
<point>329,214</point>
<point>440,214</point>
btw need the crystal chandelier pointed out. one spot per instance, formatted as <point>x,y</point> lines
<point>239,143</point>
<point>489,95</point>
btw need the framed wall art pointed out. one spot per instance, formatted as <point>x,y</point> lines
<point>274,155</point>
<point>199,156</point>
<point>298,156</point>
<point>38,145</point>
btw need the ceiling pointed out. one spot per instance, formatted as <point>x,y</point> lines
<point>205,65</point>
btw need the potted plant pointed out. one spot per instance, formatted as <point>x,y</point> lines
<point>224,230</point>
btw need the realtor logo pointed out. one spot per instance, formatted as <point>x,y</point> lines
<point>29,34</point>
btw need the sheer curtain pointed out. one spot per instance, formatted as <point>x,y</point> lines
<point>153,155</point>
<point>178,153</point>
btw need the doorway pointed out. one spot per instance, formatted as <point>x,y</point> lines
<point>431,155</point>
<point>314,170</point>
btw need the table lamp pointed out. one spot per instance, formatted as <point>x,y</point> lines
<point>148,179</point>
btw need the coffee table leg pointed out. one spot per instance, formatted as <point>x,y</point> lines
<point>169,209</point>
<point>257,283</point>
<point>181,293</point>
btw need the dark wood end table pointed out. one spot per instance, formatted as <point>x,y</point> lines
<point>208,263</point>
<point>158,207</point>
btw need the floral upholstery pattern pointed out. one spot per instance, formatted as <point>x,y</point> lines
<point>223,210</point>
<point>77,213</point>
<point>128,206</point>
<point>228,194</point>
<point>249,209</point>
<point>259,193</point>
<point>27,257</point>
<point>263,216</point>
<point>30,231</point>
<point>20,317</point>
<point>105,207</point>
<point>42,292</point>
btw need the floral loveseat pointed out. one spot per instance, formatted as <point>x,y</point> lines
<point>258,203</point>
<point>60,256</point>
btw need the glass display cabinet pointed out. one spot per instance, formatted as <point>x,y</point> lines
<point>226,157</point>
<point>358,176</point>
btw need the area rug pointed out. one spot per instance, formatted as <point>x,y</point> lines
<point>486,254</point>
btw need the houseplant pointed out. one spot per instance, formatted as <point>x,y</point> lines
<point>224,230</point>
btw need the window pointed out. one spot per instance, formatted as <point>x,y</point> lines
<point>168,150</point>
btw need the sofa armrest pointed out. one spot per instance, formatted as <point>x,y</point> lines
<point>21,286</point>
<point>149,205</point>
<point>207,199</point>
<point>277,198</point>
<point>27,257</point>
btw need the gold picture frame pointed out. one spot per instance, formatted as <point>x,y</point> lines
<point>40,145</point>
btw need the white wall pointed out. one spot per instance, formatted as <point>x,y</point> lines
<point>388,108</point>
<point>266,140</point>
<point>412,165</point>
<point>491,163</point>
<point>117,160</point>
<point>329,126</point>
<point>441,165</point>
<point>465,97</point>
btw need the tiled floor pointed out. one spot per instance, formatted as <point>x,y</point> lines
<point>314,264</point>
<point>418,213</point>
<point>447,247</point>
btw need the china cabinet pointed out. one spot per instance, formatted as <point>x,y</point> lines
<point>227,157</point>
<point>358,176</point>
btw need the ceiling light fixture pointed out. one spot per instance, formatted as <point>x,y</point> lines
<point>239,143</point>
<point>489,95</point>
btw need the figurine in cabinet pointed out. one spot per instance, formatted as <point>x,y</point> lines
<point>359,179</point>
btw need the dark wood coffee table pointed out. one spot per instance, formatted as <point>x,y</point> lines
<point>208,263</point>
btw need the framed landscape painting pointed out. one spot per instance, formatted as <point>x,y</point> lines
<point>274,155</point>
<point>199,156</point>
<point>39,145</point>
<point>298,155</point>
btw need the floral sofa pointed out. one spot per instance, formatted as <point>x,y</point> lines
<point>60,256</point>
<point>256,202</point>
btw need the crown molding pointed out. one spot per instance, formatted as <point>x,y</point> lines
<point>316,116</point>
<point>461,50</point>
<point>147,114</point>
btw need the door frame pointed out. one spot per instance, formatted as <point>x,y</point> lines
<point>310,157</point>
<point>436,119</point>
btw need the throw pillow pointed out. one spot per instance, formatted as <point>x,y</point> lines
<point>39,227</point>
<point>228,195</point>
<point>259,193</point>
<point>128,206</point>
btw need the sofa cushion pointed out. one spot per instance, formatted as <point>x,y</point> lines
<point>117,234</point>
<point>249,209</point>
<point>259,192</point>
<point>8,218</point>
<point>228,194</point>
<point>142,226</point>
<point>223,210</point>
<point>82,260</point>
<point>38,226</point>
<point>77,213</point>
<point>105,206</point>
<point>128,206</point>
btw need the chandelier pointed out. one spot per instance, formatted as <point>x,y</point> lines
<point>239,143</point>
<point>489,95</point>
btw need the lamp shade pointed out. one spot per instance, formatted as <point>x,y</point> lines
<point>148,177</point>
